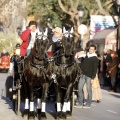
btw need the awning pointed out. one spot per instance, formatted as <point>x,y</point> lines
<point>100,37</point>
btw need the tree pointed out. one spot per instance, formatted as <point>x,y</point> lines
<point>56,11</point>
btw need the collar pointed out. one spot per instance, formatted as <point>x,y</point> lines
<point>91,55</point>
<point>55,39</point>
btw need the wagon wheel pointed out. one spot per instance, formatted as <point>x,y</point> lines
<point>16,102</point>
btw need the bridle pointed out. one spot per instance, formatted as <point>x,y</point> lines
<point>41,44</point>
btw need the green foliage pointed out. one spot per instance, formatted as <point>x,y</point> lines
<point>50,11</point>
<point>8,42</point>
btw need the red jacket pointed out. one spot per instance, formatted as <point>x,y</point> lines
<point>25,37</point>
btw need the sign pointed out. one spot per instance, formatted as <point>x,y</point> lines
<point>82,29</point>
<point>99,23</point>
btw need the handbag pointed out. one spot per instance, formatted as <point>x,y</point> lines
<point>109,71</point>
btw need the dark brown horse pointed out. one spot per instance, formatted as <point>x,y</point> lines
<point>66,71</point>
<point>36,78</point>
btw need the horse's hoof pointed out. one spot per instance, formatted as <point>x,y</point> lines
<point>25,114</point>
<point>42,116</point>
<point>59,116</point>
<point>38,112</point>
<point>64,117</point>
<point>32,115</point>
<point>68,114</point>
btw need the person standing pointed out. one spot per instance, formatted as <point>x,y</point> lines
<point>106,59</point>
<point>112,70</point>
<point>89,67</point>
<point>28,38</point>
<point>96,90</point>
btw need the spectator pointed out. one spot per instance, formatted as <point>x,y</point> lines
<point>89,67</point>
<point>96,90</point>
<point>106,59</point>
<point>112,70</point>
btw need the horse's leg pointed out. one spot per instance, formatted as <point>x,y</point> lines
<point>58,101</point>
<point>31,98</point>
<point>66,110</point>
<point>43,116</point>
<point>38,110</point>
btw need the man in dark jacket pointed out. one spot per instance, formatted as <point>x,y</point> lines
<point>89,67</point>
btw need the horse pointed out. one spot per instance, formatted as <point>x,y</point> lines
<point>35,80</point>
<point>66,72</point>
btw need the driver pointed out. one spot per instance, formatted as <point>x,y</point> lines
<point>56,37</point>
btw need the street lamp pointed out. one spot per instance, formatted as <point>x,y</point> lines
<point>118,29</point>
<point>80,11</point>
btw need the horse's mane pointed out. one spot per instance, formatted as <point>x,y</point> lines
<point>32,53</point>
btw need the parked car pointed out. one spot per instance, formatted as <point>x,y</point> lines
<point>4,63</point>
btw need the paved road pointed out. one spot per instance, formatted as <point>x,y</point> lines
<point>108,109</point>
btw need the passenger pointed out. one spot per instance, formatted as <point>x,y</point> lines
<point>28,37</point>
<point>14,59</point>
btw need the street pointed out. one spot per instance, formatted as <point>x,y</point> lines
<point>107,109</point>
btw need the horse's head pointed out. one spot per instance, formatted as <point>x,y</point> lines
<point>41,43</point>
<point>68,42</point>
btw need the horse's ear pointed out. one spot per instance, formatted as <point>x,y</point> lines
<point>64,30</point>
<point>46,32</point>
<point>36,35</point>
<point>71,31</point>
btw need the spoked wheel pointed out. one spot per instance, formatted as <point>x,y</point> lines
<point>16,102</point>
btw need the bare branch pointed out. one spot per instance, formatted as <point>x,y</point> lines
<point>63,8</point>
<point>101,10</point>
<point>107,3</point>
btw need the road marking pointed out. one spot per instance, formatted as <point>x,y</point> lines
<point>112,111</point>
<point>93,104</point>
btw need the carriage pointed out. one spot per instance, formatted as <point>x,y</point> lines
<point>35,73</point>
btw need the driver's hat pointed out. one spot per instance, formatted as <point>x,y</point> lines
<point>17,46</point>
